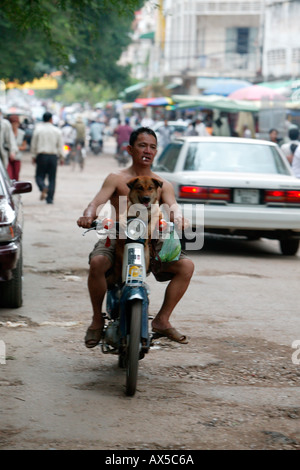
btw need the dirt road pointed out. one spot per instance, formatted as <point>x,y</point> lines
<point>234,386</point>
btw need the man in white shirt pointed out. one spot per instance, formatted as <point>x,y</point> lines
<point>294,139</point>
<point>296,162</point>
<point>46,147</point>
<point>96,133</point>
<point>200,127</point>
<point>8,144</point>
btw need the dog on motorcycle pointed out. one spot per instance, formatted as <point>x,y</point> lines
<point>143,202</point>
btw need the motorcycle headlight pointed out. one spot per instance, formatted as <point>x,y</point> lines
<point>136,229</point>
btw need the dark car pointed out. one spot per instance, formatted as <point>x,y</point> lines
<point>11,221</point>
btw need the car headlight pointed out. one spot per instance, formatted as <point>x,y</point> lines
<point>136,229</point>
<point>7,233</point>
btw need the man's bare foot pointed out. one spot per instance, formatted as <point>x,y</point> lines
<point>160,324</point>
<point>170,333</point>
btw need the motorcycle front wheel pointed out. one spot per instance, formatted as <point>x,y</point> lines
<point>133,346</point>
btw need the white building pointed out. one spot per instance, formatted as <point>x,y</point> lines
<point>140,51</point>
<point>212,39</point>
<point>281,52</point>
<point>186,41</point>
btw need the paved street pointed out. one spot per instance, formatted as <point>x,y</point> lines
<point>234,386</point>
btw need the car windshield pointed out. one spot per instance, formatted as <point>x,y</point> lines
<point>168,158</point>
<point>237,157</point>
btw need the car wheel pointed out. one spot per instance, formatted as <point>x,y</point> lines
<point>11,291</point>
<point>289,246</point>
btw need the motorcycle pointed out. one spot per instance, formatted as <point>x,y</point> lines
<point>96,147</point>
<point>126,332</point>
<point>77,155</point>
<point>67,153</point>
<point>123,155</point>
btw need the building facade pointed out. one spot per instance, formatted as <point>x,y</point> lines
<point>178,42</point>
<point>281,52</point>
<point>213,38</point>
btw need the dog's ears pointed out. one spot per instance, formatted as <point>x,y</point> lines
<point>131,183</point>
<point>157,182</point>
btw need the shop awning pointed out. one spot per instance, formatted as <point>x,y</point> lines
<point>214,102</point>
<point>149,35</point>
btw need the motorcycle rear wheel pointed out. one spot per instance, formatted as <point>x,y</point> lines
<point>133,347</point>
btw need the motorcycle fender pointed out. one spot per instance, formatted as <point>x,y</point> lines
<point>129,294</point>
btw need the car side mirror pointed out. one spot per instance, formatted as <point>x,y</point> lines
<point>20,187</point>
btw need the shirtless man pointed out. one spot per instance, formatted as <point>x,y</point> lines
<point>142,148</point>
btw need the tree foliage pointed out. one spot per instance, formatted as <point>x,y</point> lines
<point>83,38</point>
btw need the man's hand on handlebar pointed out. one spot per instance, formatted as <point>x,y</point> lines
<point>85,222</point>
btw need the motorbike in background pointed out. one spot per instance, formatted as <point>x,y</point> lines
<point>74,154</point>
<point>123,156</point>
<point>96,146</point>
<point>68,148</point>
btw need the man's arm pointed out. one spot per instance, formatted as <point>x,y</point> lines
<point>102,197</point>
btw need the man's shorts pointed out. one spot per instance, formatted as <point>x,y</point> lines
<point>158,269</point>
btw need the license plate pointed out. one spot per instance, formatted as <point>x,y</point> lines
<point>246,196</point>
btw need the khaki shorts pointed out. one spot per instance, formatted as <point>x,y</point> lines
<point>158,269</point>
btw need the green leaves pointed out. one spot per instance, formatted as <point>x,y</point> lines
<point>83,38</point>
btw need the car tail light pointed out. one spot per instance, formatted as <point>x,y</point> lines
<point>293,197</point>
<point>282,196</point>
<point>198,192</point>
<point>275,196</point>
<point>193,192</point>
<point>222,194</point>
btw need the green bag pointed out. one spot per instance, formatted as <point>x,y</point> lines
<point>171,249</point>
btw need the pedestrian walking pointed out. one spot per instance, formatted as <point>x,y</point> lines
<point>165,134</point>
<point>14,165</point>
<point>273,136</point>
<point>8,144</point>
<point>47,148</point>
<point>80,129</point>
<point>287,148</point>
<point>200,127</point>
<point>122,134</point>
<point>191,130</point>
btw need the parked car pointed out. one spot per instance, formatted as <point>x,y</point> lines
<point>11,227</point>
<point>246,186</point>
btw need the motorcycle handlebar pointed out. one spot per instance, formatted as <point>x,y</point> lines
<point>108,224</point>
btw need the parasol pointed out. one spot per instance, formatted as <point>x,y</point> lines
<point>161,101</point>
<point>225,87</point>
<point>256,93</point>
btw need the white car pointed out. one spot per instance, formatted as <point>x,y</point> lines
<point>246,187</point>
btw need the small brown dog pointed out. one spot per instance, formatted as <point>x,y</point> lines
<point>143,190</point>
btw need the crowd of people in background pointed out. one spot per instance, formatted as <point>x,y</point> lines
<point>17,135</point>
